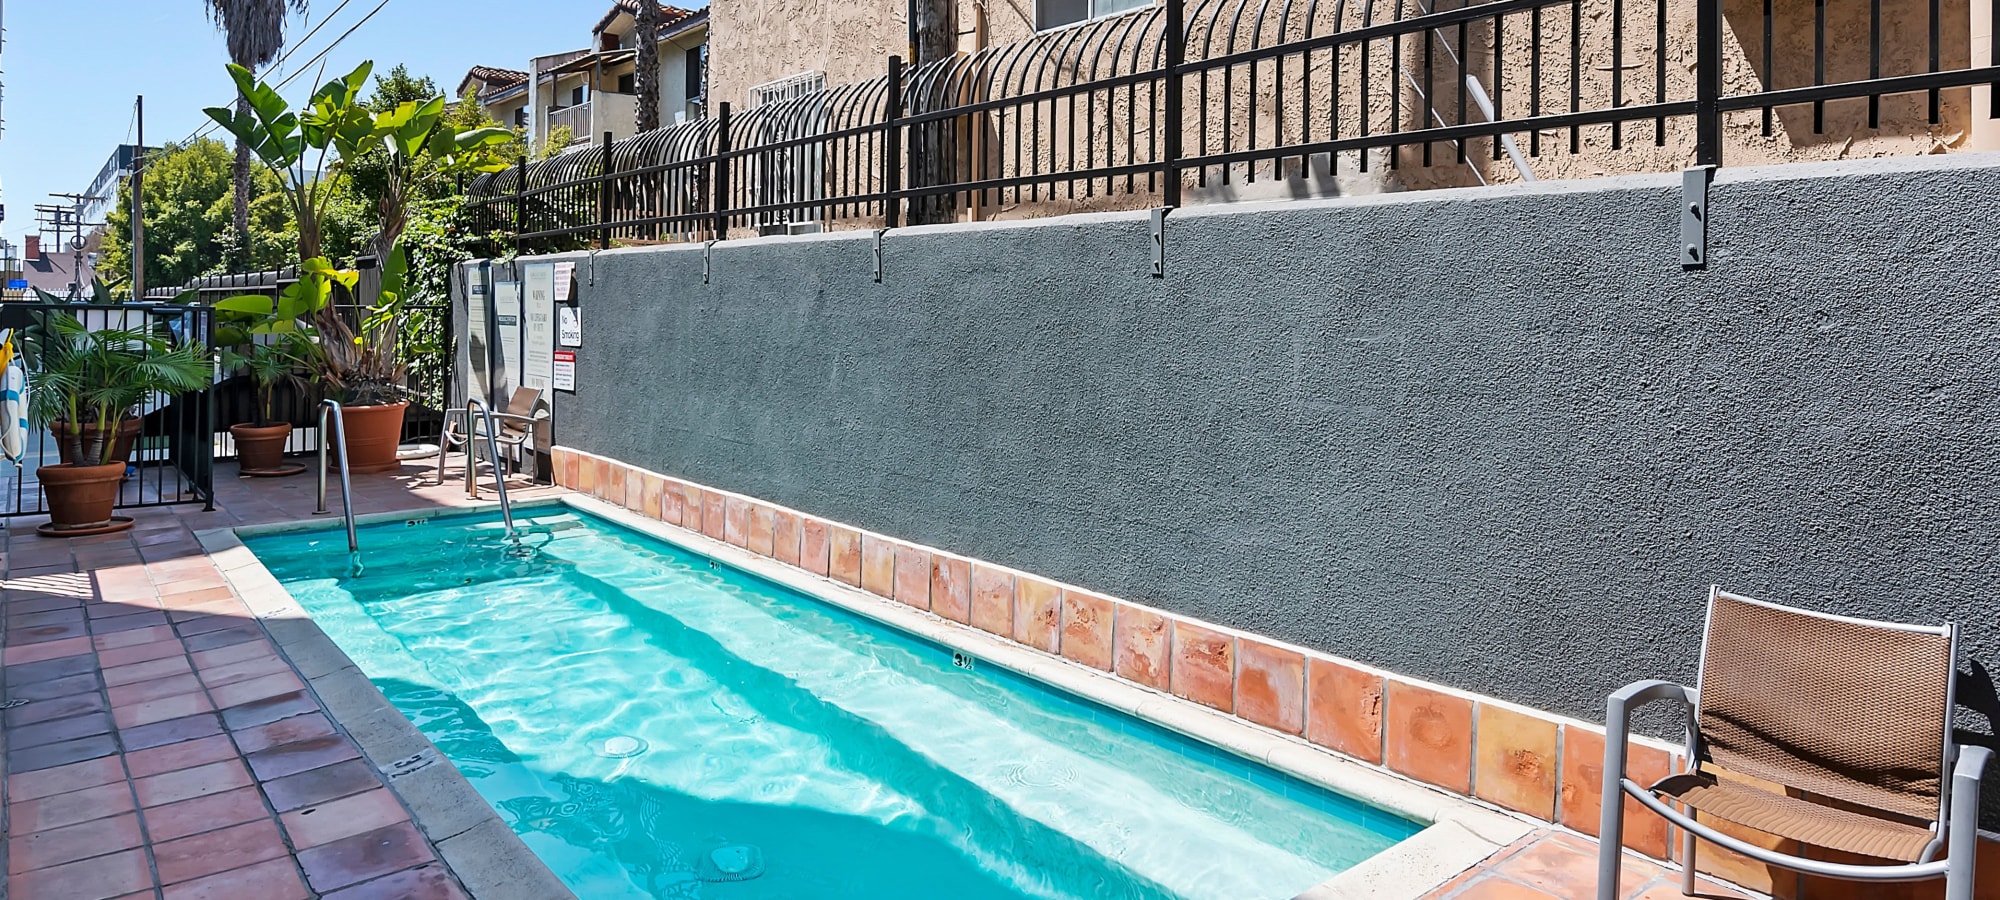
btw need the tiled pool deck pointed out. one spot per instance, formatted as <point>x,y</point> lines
<point>165,748</point>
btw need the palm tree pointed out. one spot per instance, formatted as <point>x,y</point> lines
<point>256,32</point>
<point>646,77</point>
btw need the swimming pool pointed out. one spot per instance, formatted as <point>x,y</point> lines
<point>656,724</point>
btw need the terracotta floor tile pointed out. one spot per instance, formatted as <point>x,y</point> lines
<point>207,622</point>
<point>164,709</point>
<point>112,875</point>
<point>253,689</point>
<point>255,667</point>
<point>426,883</point>
<point>55,846</point>
<point>14,656</point>
<point>234,653</point>
<point>102,801</point>
<point>153,668</point>
<point>37,634</point>
<point>184,784</point>
<point>364,856</point>
<point>50,670</point>
<point>321,784</point>
<point>299,756</point>
<point>62,780</point>
<point>186,817</point>
<point>188,858</point>
<point>268,709</point>
<point>154,689</point>
<point>107,639</point>
<point>184,755</point>
<point>343,818</point>
<point>172,731</point>
<point>61,687</point>
<point>227,637</point>
<point>58,708</point>
<point>125,656</point>
<point>276,879</point>
<point>69,615</point>
<point>1566,868</point>
<point>283,731</point>
<point>49,756</point>
<point>58,730</point>
<point>119,626</point>
<point>1491,888</point>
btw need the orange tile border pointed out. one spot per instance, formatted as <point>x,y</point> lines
<point>1037,613</point>
<point>878,566</point>
<point>1271,685</point>
<point>951,587</point>
<point>1515,761</point>
<point>1204,664</point>
<point>1581,792</point>
<point>1344,709</point>
<point>913,576</point>
<point>844,555</point>
<point>993,600</point>
<point>1428,735</point>
<point>1142,646</point>
<point>1086,628</point>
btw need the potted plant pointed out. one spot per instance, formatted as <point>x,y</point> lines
<point>126,436</point>
<point>260,445</point>
<point>94,381</point>
<point>359,353</point>
<point>270,344</point>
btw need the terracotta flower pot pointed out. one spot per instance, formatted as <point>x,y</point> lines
<point>373,433</point>
<point>121,445</point>
<point>80,497</point>
<point>261,448</point>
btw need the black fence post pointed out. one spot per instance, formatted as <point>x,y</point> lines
<point>1175,34</point>
<point>721,179</point>
<point>1708,83</point>
<point>892,147</point>
<point>520,201</point>
<point>604,198</point>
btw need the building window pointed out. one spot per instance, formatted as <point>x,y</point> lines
<point>521,117</point>
<point>576,96</point>
<point>627,82</point>
<point>1057,13</point>
<point>789,88</point>
<point>697,74</point>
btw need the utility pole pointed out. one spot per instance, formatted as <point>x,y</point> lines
<point>139,206</point>
<point>57,218</point>
<point>933,36</point>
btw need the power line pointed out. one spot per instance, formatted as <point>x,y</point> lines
<point>204,130</point>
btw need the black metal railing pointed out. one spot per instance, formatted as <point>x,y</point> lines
<point>169,460</point>
<point>1409,93</point>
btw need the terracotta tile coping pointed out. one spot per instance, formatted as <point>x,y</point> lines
<point>489,859</point>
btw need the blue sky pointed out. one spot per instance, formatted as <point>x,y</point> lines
<point>71,70</point>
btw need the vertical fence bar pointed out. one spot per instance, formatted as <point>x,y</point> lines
<point>520,201</point>
<point>1175,34</point>
<point>721,175</point>
<point>604,198</point>
<point>892,147</point>
<point>1708,83</point>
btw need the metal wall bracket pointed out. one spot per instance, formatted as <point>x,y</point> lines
<point>1160,240</point>
<point>1694,216</point>
<point>879,232</point>
<point>707,260</point>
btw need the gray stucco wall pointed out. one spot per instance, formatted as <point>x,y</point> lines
<point>1494,438</point>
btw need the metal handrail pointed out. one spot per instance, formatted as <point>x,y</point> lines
<point>346,489</point>
<point>492,450</point>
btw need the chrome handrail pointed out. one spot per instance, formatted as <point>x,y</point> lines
<point>492,450</point>
<point>346,490</point>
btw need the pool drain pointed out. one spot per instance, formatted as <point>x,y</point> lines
<point>620,747</point>
<point>737,862</point>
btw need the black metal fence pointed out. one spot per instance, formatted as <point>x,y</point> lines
<point>1112,114</point>
<point>170,460</point>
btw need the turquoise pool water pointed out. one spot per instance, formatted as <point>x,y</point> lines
<point>655,724</point>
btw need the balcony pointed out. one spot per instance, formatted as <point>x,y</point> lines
<point>589,120</point>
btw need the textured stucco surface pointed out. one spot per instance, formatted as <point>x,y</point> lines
<point>1494,438</point>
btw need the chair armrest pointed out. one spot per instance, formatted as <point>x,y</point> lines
<point>1618,708</point>
<point>1972,760</point>
<point>531,420</point>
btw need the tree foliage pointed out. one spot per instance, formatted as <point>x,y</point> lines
<point>189,203</point>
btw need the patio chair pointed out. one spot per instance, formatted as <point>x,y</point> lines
<point>518,422</point>
<point>1851,718</point>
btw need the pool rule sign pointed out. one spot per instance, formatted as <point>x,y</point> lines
<point>538,326</point>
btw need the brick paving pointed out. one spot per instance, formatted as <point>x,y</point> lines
<point>162,747</point>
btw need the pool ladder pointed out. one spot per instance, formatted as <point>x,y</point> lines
<point>346,492</point>
<point>489,427</point>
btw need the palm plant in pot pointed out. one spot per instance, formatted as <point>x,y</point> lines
<point>359,347</point>
<point>95,380</point>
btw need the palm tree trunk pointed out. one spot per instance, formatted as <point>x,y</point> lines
<point>241,180</point>
<point>646,66</point>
